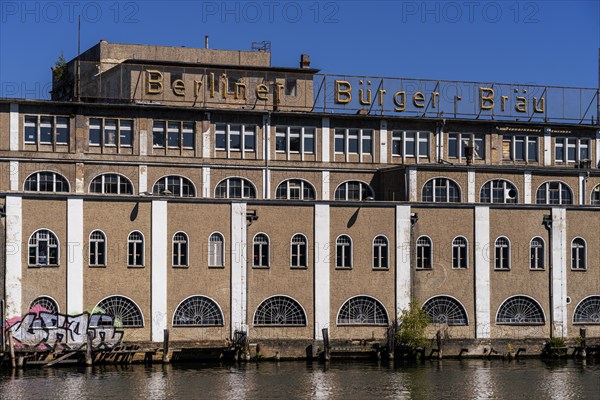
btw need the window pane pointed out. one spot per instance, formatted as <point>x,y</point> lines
<point>173,134</point>
<point>126,133</point>
<point>249,137</point>
<point>234,137</point>
<point>188,135</point>
<point>46,130</point>
<point>220,137</point>
<point>280,139</point>
<point>367,142</point>
<point>353,141</point>
<point>62,130</point>
<point>423,144</point>
<point>295,139</point>
<point>158,134</point>
<point>31,129</point>
<point>532,150</point>
<point>309,140</point>
<point>410,144</point>
<point>110,132</point>
<point>340,143</point>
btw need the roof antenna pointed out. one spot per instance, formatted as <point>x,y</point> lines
<point>206,42</point>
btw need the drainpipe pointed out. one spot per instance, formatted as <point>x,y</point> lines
<point>414,217</point>
<point>547,221</point>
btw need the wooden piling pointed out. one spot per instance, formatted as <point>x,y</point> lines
<point>165,357</point>
<point>12,350</point>
<point>326,355</point>
<point>88,350</point>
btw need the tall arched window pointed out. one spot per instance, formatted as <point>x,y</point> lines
<point>587,311</point>
<point>135,249</point>
<point>554,192</point>
<point>298,251</point>
<point>441,190</point>
<point>424,252</point>
<point>343,252</point>
<point>260,251</point>
<point>578,256</point>
<point>43,249</point>
<point>380,253</point>
<point>354,190</point>
<point>537,255</point>
<point>198,311</point>
<point>498,191</point>
<point>295,189</point>
<point>111,184</point>
<point>445,310</point>
<point>97,248</point>
<point>502,253</point>
<point>216,250</point>
<point>46,181</point>
<point>123,312</point>
<point>235,188</point>
<point>279,311</point>
<point>520,310</point>
<point>362,310</point>
<point>595,197</point>
<point>180,250</point>
<point>460,252</point>
<point>177,186</point>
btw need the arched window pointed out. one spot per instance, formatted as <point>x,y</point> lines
<point>46,181</point>
<point>260,250</point>
<point>295,189</point>
<point>578,256</point>
<point>97,248</point>
<point>520,310</point>
<point>343,252</point>
<point>235,188</point>
<point>380,253</point>
<point>123,312</point>
<point>498,191</point>
<point>441,190</point>
<point>537,255</point>
<point>595,197</point>
<point>362,310</point>
<point>43,249</point>
<point>111,184</point>
<point>177,186</point>
<point>198,311</point>
<point>135,249</point>
<point>279,311</point>
<point>502,253</point>
<point>424,252</point>
<point>216,250</point>
<point>460,252</point>
<point>354,190</point>
<point>587,311</point>
<point>298,251</point>
<point>554,192</point>
<point>445,310</point>
<point>180,250</point>
<point>46,309</point>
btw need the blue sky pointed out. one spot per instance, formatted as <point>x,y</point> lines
<point>534,42</point>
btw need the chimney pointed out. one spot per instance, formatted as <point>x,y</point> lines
<point>206,42</point>
<point>304,61</point>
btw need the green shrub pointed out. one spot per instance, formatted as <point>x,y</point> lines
<point>411,327</point>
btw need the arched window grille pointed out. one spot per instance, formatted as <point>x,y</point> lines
<point>43,249</point>
<point>554,192</point>
<point>123,312</point>
<point>97,248</point>
<point>46,181</point>
<point>460,253</point>
<point>441,190</point>
<point>198,311</point>
<point>177,186</point>
<point>180,250</point>
<point>216,250</point>
<point>353,190</point>
<point>445,310</point>
<point>235,188</point>
<point>588,311</point>
<point>498,191</point>
<point>362,310</point>
<point>380,253</point>
<point>111,184</point>
<point>295,189</point>
<point>520,310</point>
<point>343,252</point>
<point>279,311</point>
<point>45,304</point>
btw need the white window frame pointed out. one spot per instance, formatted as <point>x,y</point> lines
<point>546,187</point>
<point>434,186</point>
<point>298,247</point>
<point>506,265</point>
<point>243,181</point>
<point>136,243</point>
<point>418,137</point>
<point>214,251</point>
<point>420,245</point>
<point>459,247</point>
<point>244,130</point>
<point>347,134</point>
<point>577,264</point>
<point>120,125</point>
<point>537,256</point>
<point>506,187</point>
<point>52,237</point>
<point>261,250</point>
<point>94,243</point>
<point>464,139</point>
<point>566,143</point>
<point>337,252</point>
<point>182,180</point>
<point>381,252</point>
<point>526,140</point>
<point>120,178</point>
<point>184,127</point>
<point>303,185</point>
<point>176,248</point>
<point>305,132</point>
<point>362,185</point>
<point>54,175</point>
<point>55,123</point>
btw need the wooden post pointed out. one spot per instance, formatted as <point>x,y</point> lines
<point>165,357</point>
<point>12,350</point>
<point>325,344</point>
<point>88,349</point>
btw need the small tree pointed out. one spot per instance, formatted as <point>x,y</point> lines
<point>411,327</point>
<point>60,67</point>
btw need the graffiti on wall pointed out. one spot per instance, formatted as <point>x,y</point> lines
<point>41,328</point>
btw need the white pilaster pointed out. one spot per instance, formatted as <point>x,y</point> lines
<point>160,246</point>
<point>322,256</point>
<point>582,179</point>
<point>75,251</point>
<point>206,145</point>
<point>14,253</point>
<point>548,147</point>
<point>143,142</point>
<point>412,184</point>
<point>482,272</point>
<point>13,172</point>
<point>440,146</point>
<point>206,182</point>
<point>143,178</point>
<point>527,187</point>
<point>79,178</point>
<point>14,127</point>
<point>403,267</point>
<point>267,137</point>
<point>325,140</point>
<point>560,257</point>
<point>597,159</point>
<point>267,183</point>
<point>239,285</point>
<point>471,186</point>
<point>325,189</point>
<point>383,142</point>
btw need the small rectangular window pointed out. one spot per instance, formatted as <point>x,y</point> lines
<point>221,137</point>
<point>158,134</point>
<point>46,130</point>
<point>173,134</point>
<point>290,87</point>
<point>249,137</point>
<point>110,132</point>
<point>188,135</point>
<point>30,129</point>
<point>62,130</point>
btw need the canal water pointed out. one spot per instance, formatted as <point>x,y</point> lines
<point>446,379</point>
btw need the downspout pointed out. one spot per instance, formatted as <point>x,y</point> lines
<point>547,221</point>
